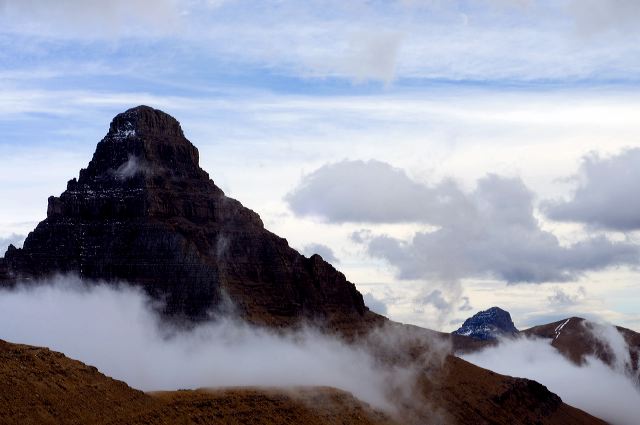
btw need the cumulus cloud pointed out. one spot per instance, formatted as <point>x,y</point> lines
<point>115,330</point>
<point>436,299</point>
<point>440,300</point>
<point>322,250</point>
<point>369,191</point>
<point>13,239</point>
<point>562,298</point>
<point>605,196</point>
<point>596,388</point>
<point>491,232</point>
<point>376,305</point>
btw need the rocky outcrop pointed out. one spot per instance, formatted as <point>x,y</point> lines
<point>488,324</point>
<point>144,212</point>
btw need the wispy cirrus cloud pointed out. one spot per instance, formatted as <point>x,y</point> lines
<point>358,41</point>
<point>77,18</point>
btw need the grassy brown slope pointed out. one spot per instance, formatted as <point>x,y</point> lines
<point>39,386</point>
<point>472,395</point>
<point>261,406</point>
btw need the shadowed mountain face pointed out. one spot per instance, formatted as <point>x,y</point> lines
<point>144,212</point>
<point>488,324</point>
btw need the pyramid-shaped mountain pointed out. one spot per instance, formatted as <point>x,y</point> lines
<point>144,212</point>
<point>488,324</point>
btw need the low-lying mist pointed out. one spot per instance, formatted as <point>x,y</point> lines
<point>603,391</point>
<point>116,330</point>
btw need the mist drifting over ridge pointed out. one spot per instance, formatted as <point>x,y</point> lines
<point>117,330</point>
<point>608,392</point>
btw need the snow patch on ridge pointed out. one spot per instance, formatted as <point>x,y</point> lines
<point>559,328</point>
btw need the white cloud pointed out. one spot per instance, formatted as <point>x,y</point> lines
<point>562,298</point>
<point>490,232</point>
<point>605,195</point>
<point>376,305</point>
<point>594,387</point>
<point>371,191</point>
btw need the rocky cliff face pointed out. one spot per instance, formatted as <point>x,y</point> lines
<point>488,324</point>
<point>144,212</point>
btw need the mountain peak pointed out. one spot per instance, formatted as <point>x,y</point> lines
<point>144,120</point>
<point>144,212</point>
<point>488,324</point>
<point>143,142</point>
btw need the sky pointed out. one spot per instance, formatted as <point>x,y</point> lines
<point>447,156</point>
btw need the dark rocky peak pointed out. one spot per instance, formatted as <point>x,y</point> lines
<point>143,142</point>
<point>488,324</point>
<point>144,121</point>
<point>144,212</point>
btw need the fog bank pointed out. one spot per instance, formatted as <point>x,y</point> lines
<point>603,391</point>
<point>116,330</point>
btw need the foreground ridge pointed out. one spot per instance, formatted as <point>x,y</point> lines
<point>39,386</point>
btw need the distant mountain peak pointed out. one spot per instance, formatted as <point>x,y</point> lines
<point>488,324</point>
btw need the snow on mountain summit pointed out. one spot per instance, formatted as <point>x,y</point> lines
<point>488,324</point>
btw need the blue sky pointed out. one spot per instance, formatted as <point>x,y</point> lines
<point>442,93</point>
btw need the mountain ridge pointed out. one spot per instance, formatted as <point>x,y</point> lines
<point>40,386</point>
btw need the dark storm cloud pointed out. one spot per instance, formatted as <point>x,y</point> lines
<point>607,193</point>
